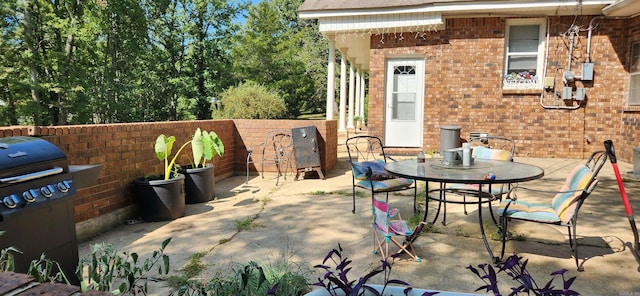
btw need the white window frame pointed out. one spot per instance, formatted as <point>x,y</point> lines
<point>536,83</point>
<point>634,88</point>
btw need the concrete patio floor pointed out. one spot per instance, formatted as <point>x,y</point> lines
<point>302,220</point>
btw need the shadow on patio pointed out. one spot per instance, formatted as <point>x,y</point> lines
<point>302,220</point>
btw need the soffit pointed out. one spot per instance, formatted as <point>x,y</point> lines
<point>351,23</point>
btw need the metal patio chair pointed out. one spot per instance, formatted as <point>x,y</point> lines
<point>276,149</point>
<point>367,158</point>
<point>562,207</point>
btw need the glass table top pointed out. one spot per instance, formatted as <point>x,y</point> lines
<point>433,170</point>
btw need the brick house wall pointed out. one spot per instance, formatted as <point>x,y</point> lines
<point>463,86</point>
<point>126,152</point>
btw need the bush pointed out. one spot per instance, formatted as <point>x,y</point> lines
<point>250,100</point>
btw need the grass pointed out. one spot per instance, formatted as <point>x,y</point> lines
<point>192,269</point>
<point>247,224</point>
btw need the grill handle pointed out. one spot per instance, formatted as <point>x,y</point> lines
<point>31,176</point>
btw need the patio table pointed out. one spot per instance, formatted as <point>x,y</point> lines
<point>433,170</point>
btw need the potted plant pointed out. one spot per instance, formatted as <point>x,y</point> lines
<point>357,120</point>
<point>162,197</point>
<point>199,175</point>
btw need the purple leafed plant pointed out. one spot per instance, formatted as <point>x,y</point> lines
<point>516,269</point>
<point>336,277</point>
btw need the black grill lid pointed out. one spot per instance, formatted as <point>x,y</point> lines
<point>26,155</point>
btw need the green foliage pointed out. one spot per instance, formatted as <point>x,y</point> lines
<point>70,62</point>
<point>247,224</point>
<point>251,101</point>
<point>205,145</point>
<point>7,261</point>
<point>280,51</point>
<point>104,268</point>
<point>46,270</point>
<point>251,279</point>
<point>163,148</point>
<point>42,270</point>
<point>190,270</point>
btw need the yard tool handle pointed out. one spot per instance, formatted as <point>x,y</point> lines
<point>608,145</point>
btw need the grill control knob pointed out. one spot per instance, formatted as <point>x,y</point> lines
<point>29,196</point>
<point>63,187</point>
<point>10,201</point>
<point>46,191</point>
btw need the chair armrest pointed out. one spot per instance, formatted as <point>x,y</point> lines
<point>515,187</point>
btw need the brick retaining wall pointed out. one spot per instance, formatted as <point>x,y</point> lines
<point>126,152</point>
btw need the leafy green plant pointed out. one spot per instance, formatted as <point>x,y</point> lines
<point>515,268</point>
<point>47,270</point>
<point>7,261</point>
<point>204,145</point>
<point>336,277</point>
<point>163,148</point>
<point>104,268</point>
<point>250,279</point>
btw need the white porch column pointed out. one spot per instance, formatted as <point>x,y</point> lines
<point>351,94</point>
<point>343,92</point>
<point>357,99</point>
<point>331,80</point>
<point>362,95</point>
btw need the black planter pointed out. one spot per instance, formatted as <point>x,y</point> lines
<point>160,200</point>
<point>199,183</point>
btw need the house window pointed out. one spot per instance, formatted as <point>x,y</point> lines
<point>524,54</point>
<point>634,75</point>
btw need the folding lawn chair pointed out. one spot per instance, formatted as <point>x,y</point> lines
<point>388,223</point>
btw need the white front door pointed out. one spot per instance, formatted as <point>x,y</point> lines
<point>404,101</point>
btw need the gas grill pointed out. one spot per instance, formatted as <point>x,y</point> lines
<point>36,203</point>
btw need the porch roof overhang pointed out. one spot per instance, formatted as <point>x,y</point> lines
<point>350,23</point>
<point>623,8</point>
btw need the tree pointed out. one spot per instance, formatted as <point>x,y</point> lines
<point>211,28</point>
<point>271,51</point>
<point>98,61</point>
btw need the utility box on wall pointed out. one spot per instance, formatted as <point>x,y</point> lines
<point>305,150</point>
<point>587,71</point>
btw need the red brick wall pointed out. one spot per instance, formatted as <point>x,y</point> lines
<point>126,152</point>
<point>251,133</point>
<point>463,86</point>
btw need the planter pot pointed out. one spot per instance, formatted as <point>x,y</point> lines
<point>160,200</point>
<point>199,183</point>
<point>393,290</point>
